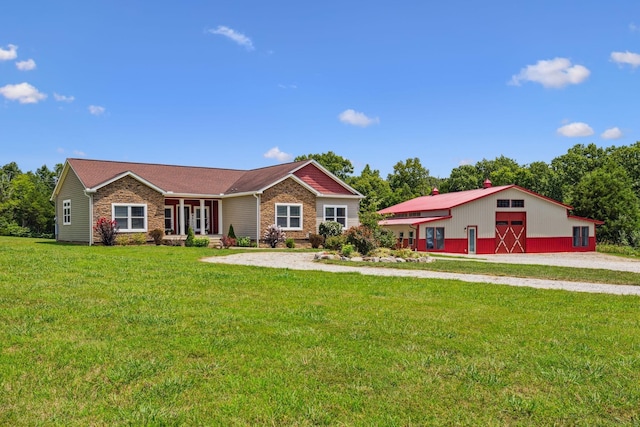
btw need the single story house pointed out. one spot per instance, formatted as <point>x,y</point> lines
<point>501,219</point>
<point>141,197</point>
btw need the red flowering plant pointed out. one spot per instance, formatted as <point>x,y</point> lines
<point>107,229</point>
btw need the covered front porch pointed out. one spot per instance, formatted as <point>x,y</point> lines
<point>202,215</point>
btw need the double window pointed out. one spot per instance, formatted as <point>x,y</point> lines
<point>130,217</point>
<point>580,236</point>
<point>289,216</point>
<point>513,203</point>
<point>66,212</point>
<point>435,238</point>
<point>336,213</point>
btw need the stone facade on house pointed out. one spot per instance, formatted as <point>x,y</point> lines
<point>129,190</point>
<point>289,191</point>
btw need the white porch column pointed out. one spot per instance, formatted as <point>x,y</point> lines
<point>220,230</point>
<point>203,223</point>
<point>181,216</point>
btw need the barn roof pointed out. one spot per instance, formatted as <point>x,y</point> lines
<point>445,201</point>
<point>207,181</point>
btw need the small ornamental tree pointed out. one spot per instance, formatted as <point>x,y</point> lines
<point>190,237</point>
<point>107,229</point>
<point>274,235</point>
<point>231,233</point>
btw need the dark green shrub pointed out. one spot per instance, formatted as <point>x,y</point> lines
<point>335,243</point>
<point>362,238</point>
<point>290,243</point>
<point>330,228</point>
<point>316,240</point>
<point>157,235</point>
<point>190,237</point>
<point>231,233</point>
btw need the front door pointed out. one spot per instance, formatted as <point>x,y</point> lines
<point>472,232</point>
<point>510,232</point>
<point>199,223</point>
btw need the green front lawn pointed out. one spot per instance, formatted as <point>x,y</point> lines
<point>151,336</point>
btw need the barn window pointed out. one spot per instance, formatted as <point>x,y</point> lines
<point>435,238</point>
<point>503,203</point>
<point>410,238</point>
<point>580,236</point>
<point>517,203</point>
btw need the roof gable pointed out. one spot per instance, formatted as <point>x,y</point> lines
<point>320,181</point>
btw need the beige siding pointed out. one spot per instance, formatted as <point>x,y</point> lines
<point>242,213</point>
<point>544,219</point>
<point>80,228</point>
<point>353,207</point>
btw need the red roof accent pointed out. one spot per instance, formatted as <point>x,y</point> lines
<point>457,198</point>
<point>411,221</point>
<point>320,181</point>
<point>581,218</point>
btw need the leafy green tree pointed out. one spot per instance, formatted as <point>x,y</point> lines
<point>462,178</point>
<point>376,190</point>
<point>337,165</point>
<point>607,194</point>
<point>629,158</point>
<point>410,179</point>
<point>571,167</point>
<point>501,171</point>
<point>29,206</point>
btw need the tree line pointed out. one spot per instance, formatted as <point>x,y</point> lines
<point>599,183</point>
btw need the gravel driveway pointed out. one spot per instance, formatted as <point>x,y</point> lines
<point>304,261</point>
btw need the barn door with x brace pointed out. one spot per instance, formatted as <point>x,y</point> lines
<point>510,232</point>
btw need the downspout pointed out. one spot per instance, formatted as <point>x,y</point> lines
<point>89,194</point>
<point>257,196</point>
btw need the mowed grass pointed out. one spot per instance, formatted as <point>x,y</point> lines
<point>547,272</point>
<point>152,336</point>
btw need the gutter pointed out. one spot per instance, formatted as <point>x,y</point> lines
<point>257,196</point>
<point>89,193</point>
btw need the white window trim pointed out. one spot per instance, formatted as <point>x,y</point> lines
<point>66,212</point>
<point>173,225</point>
<point>346,213</point>
<point>130,205</point>
<point>289,215</point>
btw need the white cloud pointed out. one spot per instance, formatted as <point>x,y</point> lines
<point>633,27</point>
<point>96,110</point>
<point>9,54</point>
<point>60,150</point>
<point>24,93</point>
<point>553,73</point>
<point>612,133</point>
<point>356,118</point>
<point>232,34</point>
<point>627,57</point>
<point>575,129</point>
<point>465,162</point>
<point>63,98</point>
<point>79,153</point>
<point>27,65</point>
<point>275,153</point>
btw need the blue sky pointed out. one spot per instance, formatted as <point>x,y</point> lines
<point>245,84</point>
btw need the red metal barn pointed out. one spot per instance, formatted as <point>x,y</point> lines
<point>504,219</point>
